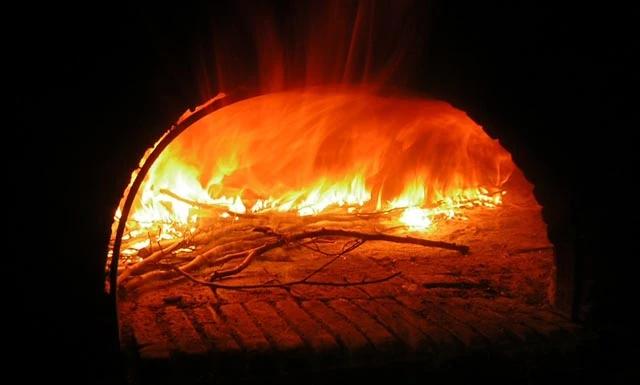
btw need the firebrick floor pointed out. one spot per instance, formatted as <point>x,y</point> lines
<point>216,337</point>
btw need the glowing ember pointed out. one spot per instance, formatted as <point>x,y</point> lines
<point>416,218</point>
<point>313,152</point>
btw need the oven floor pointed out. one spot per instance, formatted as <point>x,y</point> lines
<point>198,336</point>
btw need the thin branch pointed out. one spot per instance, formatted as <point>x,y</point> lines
<point>206,206</point>
<point>190,202</point>
<point>225,258</point>
<point>284,239</point>
<point>345,250</point>
<point>305,219</point>
<point>153,258</point>
<point>462,249</point>
<point>285,285</point>
<point>315,248</point>
<point>250,255</point>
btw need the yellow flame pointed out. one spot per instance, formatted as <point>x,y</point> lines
<point>416,218</point>
<point>413,195</point>
<point>324,194</point>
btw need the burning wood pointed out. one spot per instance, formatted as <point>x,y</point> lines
<point>249,241</point>
<point>308,167</point>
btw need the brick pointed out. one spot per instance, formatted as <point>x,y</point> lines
<point>310,330</point>
<point>216,331</point>
<point>441,337</point>
<point>349,336</point>
<point>408,334</point>
<point>527,316</point>
<point>152,343</point>
<point>278,331</point>
<point>375,332</point>
<point>181,329</point>
<point>244,328</point>
<point>435,313</point>
<point>511,323</point>
<point>462,310</point>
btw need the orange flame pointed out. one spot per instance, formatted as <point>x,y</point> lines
<point>309,151</point>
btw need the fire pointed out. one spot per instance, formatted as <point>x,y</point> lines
<point>323,151</point>
<point>416,218</point>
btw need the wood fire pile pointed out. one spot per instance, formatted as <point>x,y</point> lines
<point>223,244</point>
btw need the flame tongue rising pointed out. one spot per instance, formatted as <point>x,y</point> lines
<point>309,151</point>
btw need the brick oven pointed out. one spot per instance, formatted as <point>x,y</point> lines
<point>285,260</point>
<point>395,195</point>
<point>334,224</point>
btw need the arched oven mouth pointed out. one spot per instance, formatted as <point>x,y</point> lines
<point>329,268</point>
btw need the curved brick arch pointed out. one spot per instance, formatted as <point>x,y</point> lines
<point>509,131</point>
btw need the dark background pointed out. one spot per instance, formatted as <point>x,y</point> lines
<point>94,87</point>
